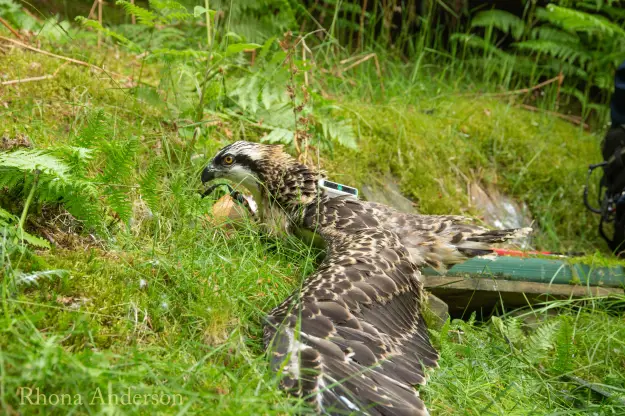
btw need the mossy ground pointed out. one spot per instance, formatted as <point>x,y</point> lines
<point>170,304</point>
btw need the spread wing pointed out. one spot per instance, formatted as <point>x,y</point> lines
<point>441,240</point>
<point>352,339</point>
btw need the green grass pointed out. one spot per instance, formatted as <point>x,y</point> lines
<point>170,305</point>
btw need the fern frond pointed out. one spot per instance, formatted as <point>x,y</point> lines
<point>577,94</point>
<point>541,341</point>
<point>477,42</point>
<point>96,129</point>
<point>94,24</point>
<point>170,11</point>
<point>554,35</point>
<point>578,21</point>
<point>567,52</point>
<point>554,66</point>
<point>120,157</point>
<point>76,158</point>
<point>565,348</point>
<point>33,278</point>
<point>144,17</point>
<point>279,135</point>
<point>148,187</point>
<point>6,217</point>
<point>31,160</point>
<point>247,92</point>
<point>31,239</point>
<point>339,130</point>
<point>500,19</point>
<point>514,331</point>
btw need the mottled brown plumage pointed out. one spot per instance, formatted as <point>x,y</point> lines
<point>351,339</point>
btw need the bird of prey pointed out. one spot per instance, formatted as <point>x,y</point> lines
<point>351,339</point>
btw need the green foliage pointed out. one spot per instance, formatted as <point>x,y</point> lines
<point>263,96</point>
<point>176,305</point>
<point>66,174</point>
<point>570,53</point>
<point>500,19</point>
<point>51,28</point>
<point>12,236</point>
<point>148,186</point>
<point>144,17</point>
<point>257,21</point>
<point>583,45</point>
<point>565,348</point>
<point>578,21</point>
<point>491,368</point>
<point>94,24</point>
<point>11,11</point>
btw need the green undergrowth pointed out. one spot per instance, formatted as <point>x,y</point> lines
<point>160,301</point>
<point>437,148</point>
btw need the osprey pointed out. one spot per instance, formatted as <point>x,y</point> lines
<point>351,339</point>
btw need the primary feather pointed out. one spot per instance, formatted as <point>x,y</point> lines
<point>352,339</point>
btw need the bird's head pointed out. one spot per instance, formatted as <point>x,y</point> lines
<point>265,170</point>
<point>240,162</point>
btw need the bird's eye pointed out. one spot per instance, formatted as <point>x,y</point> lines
<point>228,160</point>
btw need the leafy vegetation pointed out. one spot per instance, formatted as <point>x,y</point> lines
<point>581,45</point>
<point>115,276</point>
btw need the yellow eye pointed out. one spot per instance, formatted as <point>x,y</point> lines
<point>228,160</point>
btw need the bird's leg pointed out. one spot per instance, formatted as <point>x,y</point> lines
<point>234,194</point>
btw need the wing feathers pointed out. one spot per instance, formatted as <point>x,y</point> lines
<point>363,325</point>
<point>352,340</point>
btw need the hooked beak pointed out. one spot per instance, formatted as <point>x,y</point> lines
<point>208,174</point>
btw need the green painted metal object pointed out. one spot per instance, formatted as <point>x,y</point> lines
<point>537,270</point>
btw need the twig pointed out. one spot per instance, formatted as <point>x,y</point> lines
<point>92,11</point>
<point>358,62</point>
<point>363,59</point>
<point>306,50</point>
<point>65,58</point>
<point>133,18</point>
<point>100,21</point>
<point>573,119</point>
<point>560,81</point>
<point>11,29</point>
<point>304,62</point>
<point>379,71</point>
<point>361,32</point>
<point>31,14</point>
<point>559,78</point>
<point>23,80</point>
<point>41,78</point>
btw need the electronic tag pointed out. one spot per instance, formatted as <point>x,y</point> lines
<point>334,189</point>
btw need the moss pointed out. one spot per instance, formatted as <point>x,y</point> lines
<point>435,148</point>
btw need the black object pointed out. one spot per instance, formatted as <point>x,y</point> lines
<point>617,105</point>
<point>611,196</point>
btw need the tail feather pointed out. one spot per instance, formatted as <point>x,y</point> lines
<point>441,241</point>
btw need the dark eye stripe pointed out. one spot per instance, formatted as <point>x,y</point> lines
<point>248,162</point>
